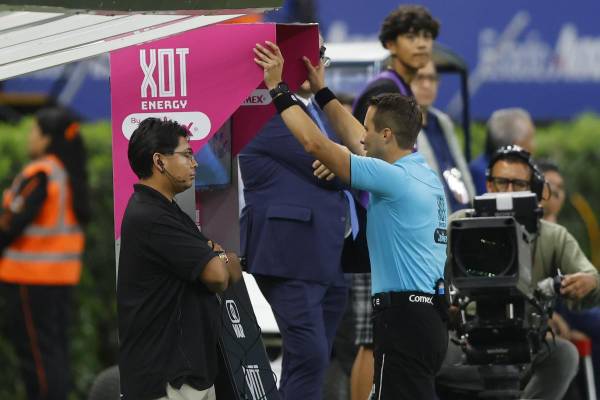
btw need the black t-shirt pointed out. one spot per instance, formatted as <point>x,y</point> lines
<point>375,88</point>
<point>168,319</point>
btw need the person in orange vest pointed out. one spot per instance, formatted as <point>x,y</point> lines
<point>41,242</point>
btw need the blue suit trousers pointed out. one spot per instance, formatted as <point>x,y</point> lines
<point>308,314</point>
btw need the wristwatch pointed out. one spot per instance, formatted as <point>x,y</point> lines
<point>280,89</point>
<point>223,256</point>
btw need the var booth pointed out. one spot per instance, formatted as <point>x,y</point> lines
<point>207,81</point>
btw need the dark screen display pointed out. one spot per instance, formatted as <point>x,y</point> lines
<point>485,252</point>
<point>214,161</point>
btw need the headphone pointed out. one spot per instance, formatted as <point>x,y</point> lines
<point>537,181</point>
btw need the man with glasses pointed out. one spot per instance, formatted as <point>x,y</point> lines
<point>511,169</point>
<point>169,272</point>
<point>506,126</point>
<point>293,227</point>
<point>437,141</point>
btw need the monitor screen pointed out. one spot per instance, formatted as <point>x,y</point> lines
<point>349,78</point>
<point>214,161</point>
<point>485,252</point>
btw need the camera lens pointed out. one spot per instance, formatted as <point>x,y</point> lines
<point>488,252</point>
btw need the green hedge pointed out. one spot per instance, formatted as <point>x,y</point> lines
<point>94,337</point>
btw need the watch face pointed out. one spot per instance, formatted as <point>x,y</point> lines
<point>281,88</point>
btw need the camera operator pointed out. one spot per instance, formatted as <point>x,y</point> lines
<point>511,169</point>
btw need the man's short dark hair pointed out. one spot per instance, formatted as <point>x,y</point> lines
<point>153,135</point>
<point>509,158</point>
<point>405,19</point>
<point>511,154</point>
<point>399,113</point>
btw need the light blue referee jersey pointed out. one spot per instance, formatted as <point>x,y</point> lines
<point>406,222</point>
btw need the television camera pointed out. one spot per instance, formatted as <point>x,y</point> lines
<point>503,315</point>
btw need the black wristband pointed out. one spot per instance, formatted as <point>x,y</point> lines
<point>324,96</point>
<point>284,101</point>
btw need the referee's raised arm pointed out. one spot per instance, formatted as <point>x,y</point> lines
<point>407,219</point>
<point>332,155</point>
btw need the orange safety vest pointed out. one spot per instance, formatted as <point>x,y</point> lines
<point>49,250</point>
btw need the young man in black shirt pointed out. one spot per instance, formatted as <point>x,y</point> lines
<point>168,276</point>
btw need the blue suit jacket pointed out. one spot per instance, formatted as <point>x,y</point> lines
<point>293,223</point>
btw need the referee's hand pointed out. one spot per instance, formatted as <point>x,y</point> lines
<point>270,59</point>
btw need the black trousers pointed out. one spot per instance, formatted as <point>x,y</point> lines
<point>39,332</point>
<point>410,342</point>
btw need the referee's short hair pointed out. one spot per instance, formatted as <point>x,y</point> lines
<point>399,113</point>
<point>153,135</point>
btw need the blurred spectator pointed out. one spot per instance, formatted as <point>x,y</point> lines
<point>575,322</point>
<point>556,198</point>
<point>42,241</point>
<point>437,141</point>
<point>505,127</point>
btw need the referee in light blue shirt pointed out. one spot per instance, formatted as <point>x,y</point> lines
<point>406,222</point>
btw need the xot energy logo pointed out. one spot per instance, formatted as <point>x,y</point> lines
<point>164,92</point>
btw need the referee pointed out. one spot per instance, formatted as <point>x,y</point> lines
<point>406,222</point>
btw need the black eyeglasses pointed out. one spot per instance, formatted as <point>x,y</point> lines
<point>326,60</point>
<point>502,184</point>
<point>189,154</point>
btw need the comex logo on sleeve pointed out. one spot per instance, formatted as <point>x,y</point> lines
<point>234,317</point>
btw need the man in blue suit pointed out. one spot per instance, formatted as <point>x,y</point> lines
<point>292,233</point>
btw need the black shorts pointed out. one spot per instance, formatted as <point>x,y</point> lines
<point>410,343</point>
